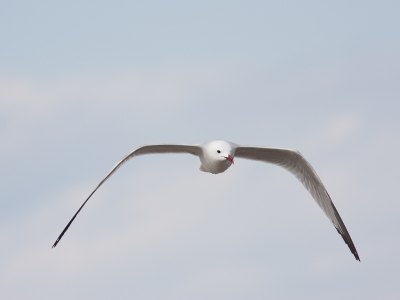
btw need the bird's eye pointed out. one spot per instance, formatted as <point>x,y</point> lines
<point>218,151</point>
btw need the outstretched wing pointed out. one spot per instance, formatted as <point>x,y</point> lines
<point>295,163</point>
<point>142,150</point>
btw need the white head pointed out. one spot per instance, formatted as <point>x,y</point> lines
<point>217,156</point>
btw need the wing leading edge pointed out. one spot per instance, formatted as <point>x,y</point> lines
<point>141,150</point>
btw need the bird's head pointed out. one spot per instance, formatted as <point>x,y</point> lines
<point>220,151</point>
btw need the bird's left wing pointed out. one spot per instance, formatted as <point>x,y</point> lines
<point>296,164</point>
<point>141,150</point>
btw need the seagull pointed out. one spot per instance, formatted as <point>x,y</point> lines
<point>217,156</point>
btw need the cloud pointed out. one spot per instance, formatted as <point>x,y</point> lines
<point>156,95</point>
<point>143,91</point>
<point>336,131</point>
<point>340,128</point>
<point>24,96</point>
<point>149,91</point>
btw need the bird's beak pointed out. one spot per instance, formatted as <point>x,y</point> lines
<point>230,158</point>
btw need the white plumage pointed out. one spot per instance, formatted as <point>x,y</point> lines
<point>217,156</point>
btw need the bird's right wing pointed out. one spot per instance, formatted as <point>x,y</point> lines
<point>296,164</point>
<point>141,150</point>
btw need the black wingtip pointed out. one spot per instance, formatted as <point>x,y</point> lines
<point>342,230</point>
<point>73,218</point>
<point>62,233</point>
<point>58,239</point>
<point>347,239</point>
<point>356,256</point>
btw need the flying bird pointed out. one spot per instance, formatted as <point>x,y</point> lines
<point>217,156</point>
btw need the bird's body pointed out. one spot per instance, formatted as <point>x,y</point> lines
<point>217,156</point>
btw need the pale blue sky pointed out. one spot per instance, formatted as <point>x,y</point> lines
<point>82,83</point>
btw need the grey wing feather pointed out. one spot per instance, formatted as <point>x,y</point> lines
<point>295,163</point>
<point>141,150</point>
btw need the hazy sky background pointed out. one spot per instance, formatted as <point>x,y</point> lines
<point>82,83</point>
